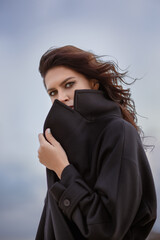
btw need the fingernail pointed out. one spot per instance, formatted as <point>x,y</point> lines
<point>49,130</point>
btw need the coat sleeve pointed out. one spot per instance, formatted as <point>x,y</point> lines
<point>107,210</point>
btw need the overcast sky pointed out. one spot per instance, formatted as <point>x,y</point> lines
<point>126,31</point>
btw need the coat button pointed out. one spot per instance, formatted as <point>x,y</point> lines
<point>66,202</point>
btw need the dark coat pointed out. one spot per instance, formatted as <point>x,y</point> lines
<point>107,191</point>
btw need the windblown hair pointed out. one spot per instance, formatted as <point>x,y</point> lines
<point>93,67</point>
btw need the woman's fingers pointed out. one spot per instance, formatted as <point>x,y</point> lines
<point>51,154</point>
<point>41,138</point>
<point>50,138</point>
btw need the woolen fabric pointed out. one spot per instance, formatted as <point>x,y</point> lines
<point>107,192</point>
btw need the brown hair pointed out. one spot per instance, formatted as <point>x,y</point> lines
<point>92,67</point>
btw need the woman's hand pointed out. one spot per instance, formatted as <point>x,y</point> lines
<point>51,154</point>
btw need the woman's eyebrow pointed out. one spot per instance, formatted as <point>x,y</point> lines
<point>61,83</point>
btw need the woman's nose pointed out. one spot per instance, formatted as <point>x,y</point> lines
<point>62,97</point>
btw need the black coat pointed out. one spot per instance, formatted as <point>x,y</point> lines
<point>107,191</point>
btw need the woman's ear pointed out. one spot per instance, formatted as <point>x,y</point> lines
<point>94,84</point>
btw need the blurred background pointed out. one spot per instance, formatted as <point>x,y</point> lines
<point>126,31</point>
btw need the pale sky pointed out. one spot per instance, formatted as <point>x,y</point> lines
<point>127,31</point>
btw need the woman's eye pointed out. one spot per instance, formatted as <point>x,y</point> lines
<point>69,84</point>
<point>52,93</point>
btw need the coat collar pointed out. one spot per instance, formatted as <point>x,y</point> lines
<point>91,104</point>
<point>94,104</point>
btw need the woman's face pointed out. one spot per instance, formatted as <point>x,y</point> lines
<point>61,83</point>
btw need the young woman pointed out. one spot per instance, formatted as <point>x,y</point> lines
<point>100,185</point>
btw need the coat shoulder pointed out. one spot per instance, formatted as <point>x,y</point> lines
<point>120,127</point>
